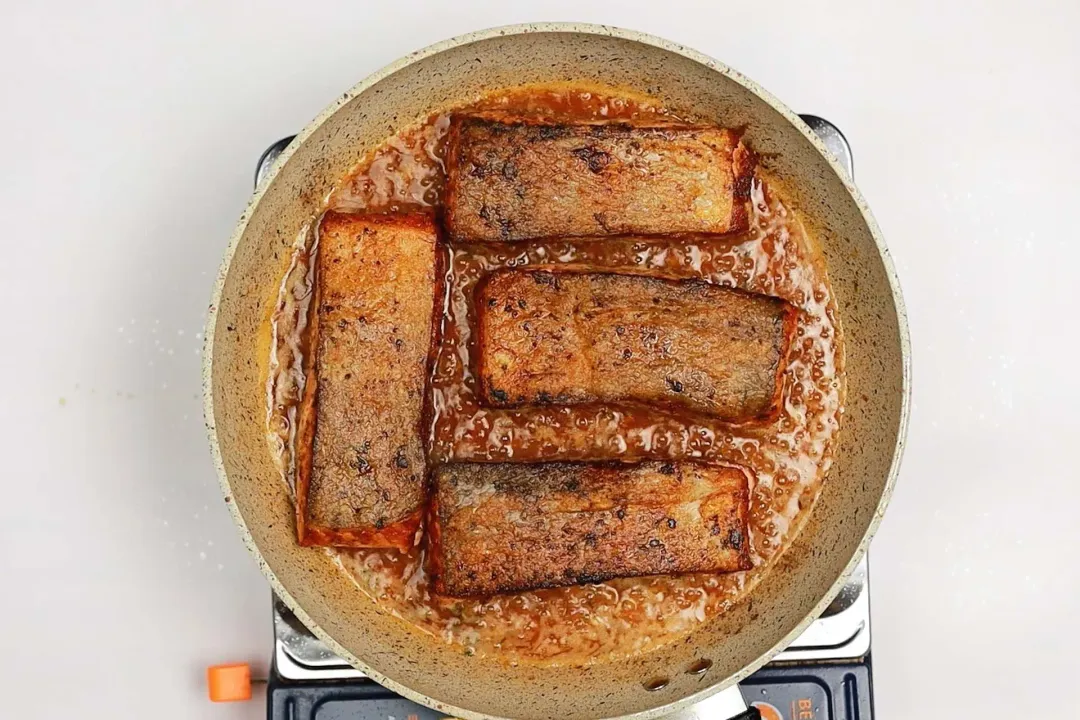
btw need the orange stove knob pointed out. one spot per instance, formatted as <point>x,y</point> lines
<point>229,683</point>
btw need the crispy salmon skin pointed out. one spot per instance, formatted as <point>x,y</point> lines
<point>511,527</point>
<point>361,463</point>
<point>515,180</point>
<point>568,337</point>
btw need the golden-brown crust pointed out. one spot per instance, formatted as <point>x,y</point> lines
<point>305,421</point>
<point>512,527</point>
<point>401,534</point>
<point>515,180</point>
<point>743,162</point>
<point>573,337</point>
<point>360,459</point>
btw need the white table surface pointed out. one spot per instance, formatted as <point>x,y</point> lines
<point>131,130</point>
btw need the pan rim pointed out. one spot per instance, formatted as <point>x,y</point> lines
<point>559,28</point>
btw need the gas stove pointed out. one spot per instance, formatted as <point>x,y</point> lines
<point>825,674</point>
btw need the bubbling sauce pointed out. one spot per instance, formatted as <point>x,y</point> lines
<point>789,457</point>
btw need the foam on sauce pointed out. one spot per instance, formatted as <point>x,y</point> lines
<point>288,349</point>
<point>789,457</point>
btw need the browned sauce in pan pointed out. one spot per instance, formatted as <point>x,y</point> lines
<point>789,457</point>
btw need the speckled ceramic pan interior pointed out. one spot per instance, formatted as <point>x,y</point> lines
<point>808,574</point>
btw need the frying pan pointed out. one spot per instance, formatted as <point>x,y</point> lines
<point>807,575</point>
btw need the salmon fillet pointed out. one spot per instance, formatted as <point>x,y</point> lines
<point>510,527</point>
<point>360,460</point>
<point>513,180</point>
<point>567,338</point>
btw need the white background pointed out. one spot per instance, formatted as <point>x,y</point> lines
<point>131,131</point>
